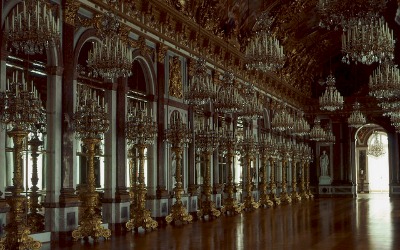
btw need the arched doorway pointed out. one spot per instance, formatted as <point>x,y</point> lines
<point>371,159</point>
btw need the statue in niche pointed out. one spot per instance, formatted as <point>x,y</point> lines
<point>324,163</point>
<point>175,78</point>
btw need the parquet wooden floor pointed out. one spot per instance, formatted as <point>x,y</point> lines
<point>370,221</point>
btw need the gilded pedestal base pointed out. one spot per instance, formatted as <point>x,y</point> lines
<point>304,195</point>
<point>310,195</point>
<point>250,204</point>
<point>17,233</point>
<point>231,206</point>
<point>265,201</point>
<point>178,215</point>
<point>208,208</point>
<point>296,196</point>
<point>141,217</point>
<point>285,198</point>
<point>90,223</point>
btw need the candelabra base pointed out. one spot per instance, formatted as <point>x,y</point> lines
<point>296,196</point>
<point>310,195</point>
<point>208,208</point>
<point>265,201</point>
<point>285,198</point>
<point>17,233</point>
<point>275,199</point>
<point>231,206</point>
<point>141,217</point>
<point>250,204</point>
<point>36,222</point>
<point>304,195</point>
<point>90,226</point>
<point>178,215</point>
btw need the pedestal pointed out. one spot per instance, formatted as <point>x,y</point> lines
<point>325,180</point>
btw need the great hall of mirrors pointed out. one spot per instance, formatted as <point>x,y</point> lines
<point>204,124</point>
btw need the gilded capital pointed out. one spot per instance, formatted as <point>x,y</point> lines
<point>71,9</point>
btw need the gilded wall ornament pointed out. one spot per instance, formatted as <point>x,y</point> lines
<point>71,10</point>
<point>175,78</point>
<point>161,52</point>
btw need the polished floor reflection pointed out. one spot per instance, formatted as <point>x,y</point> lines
<point>371,221</point>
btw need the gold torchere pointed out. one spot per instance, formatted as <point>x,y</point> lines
<point>19,109</point>
<point>140,132</point>
<point>284,153</point>
<point>248,150</point>
<point>133,177</point>
<point>227,146</point>
<point>206,140</point>
<point>310,194</point>
<point>295,160</point>
<point>303,190</point>
<point>90,123</point>
<point>263,147</point>
<point>178,135</point>
<point>35,220</point>
<point>272,155</point>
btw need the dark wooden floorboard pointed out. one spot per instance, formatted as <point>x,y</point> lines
<point>370,221</point>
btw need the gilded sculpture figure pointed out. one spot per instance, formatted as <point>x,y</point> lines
<point>175,78</point>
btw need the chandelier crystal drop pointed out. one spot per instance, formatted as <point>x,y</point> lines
<point>33,27</point>
<point>331,100</point>
<point>357,118</point>
<point>140,128</point>
<point>384,83</point>
<point>317,133</point>
<point>341,13</point>
<point>20,104</point>
<point>282,120</point>
<point>264,52</point>
<point>368,42</point>
<point>200,90</point>
<point>228,99</point>
<point>376,149</point>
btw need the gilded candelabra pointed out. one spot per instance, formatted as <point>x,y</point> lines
<point>206,140</point>
<point>35,219</point>
<point>295,160</point>
<point>303,190</point>
<point>140,132</point>
<point>263,147</point>
<point>227,145</point>
<point>272,156</point>
<point>309,158</point>
<point>90,122</point>
<point>248,150</point>
<point>178,135</point>
<point>284,150</point>
<point>19,109</point>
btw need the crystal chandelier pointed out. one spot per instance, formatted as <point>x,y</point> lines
<point>357,118</point>
<point>228,99</point>
<point>376,149</point>
<point>252,108</point>
<point>368,42</point>
<point>140,128</point>
<point>111,57</point>
<point>341,13</point>
<point>282,120</point>
<point>317,133</point>
<point>200,90</point>
<point>331,100</point>
<point>384,83</point>
<point>264,51</point>
<point>301,126</point>
<point>34,28</point>
<point>330,137</point>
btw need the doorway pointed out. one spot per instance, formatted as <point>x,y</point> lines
<point>378,163</point>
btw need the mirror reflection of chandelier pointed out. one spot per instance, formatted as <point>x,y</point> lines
<point>368,41</point>
<point>331,99</point>
<point>376,148</point>
<point>264,51</point>
<point>32,27</point>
